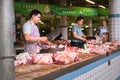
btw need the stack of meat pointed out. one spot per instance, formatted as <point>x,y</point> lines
<point>42,58</point>
<point>101,49</point>
<point>64,57</point>
<point>22,58</point>
<point>69,55</point>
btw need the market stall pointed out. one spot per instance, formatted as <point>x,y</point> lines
<point>55,65</point>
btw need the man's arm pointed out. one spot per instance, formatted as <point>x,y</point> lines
<point>83,35</point>
<point>29,38</point>
<point>77,37</point>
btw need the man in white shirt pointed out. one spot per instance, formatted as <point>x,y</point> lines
<point>102,31</point>
<point>31,33</point>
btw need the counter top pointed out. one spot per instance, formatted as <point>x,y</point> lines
<point>52,71</point>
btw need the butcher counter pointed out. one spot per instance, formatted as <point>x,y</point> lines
<point>90,67</point>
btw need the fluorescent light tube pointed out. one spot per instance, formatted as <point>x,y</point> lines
<point>90,1</point>
<point>102,6</point>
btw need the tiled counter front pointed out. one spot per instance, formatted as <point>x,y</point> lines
<point>107,68</point>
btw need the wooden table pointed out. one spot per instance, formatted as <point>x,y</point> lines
<point>50,72</point>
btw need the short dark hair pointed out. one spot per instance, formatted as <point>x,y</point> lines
<point>79,18</point>
<point>35,12</point>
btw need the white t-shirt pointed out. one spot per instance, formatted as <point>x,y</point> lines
<point>103,30</point>
<point>27,27</point>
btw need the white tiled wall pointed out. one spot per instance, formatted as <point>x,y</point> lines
<point>114,28</point>
<point>103,72</point>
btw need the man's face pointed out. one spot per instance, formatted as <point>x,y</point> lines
<point>80,22</point>
<point>36,18</point>
<point>103,23</point>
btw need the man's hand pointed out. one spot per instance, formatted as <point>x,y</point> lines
<point>49,43</point>
<point>42,39</point>
<point>83,39</point>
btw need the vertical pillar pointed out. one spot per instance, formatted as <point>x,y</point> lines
<point>22,21</point>
<point>89,29</point>
<point>63,22</point>
<point>6,40</point>
<point>38,1</point>
<point>114,20</point>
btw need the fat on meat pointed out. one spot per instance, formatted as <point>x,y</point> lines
<point>36,57</point>
<point>22,58</point>
<point>65,57</point>
<point>45,59</point>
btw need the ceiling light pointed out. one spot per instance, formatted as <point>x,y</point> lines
<point>70,3</point>
<point>82,29</point>
<point>90,1</point>
<point>70,26</point>
<point>72,23</point>
<point>102,6</point>
<point>43,31</point>
<point>41,22</point>
<point>69,29</point>
<point>86,26</point>
<point>94,29</point>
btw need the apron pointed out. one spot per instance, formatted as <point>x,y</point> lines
<point>32,47</point>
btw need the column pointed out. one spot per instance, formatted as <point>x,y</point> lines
<point>114,20</point>
<point>63,22</point>
<point>7,25</point>
<point>89,29</point>
<point>22,21</point>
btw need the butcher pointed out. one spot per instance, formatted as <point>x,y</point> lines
<point>32,35</point>
<point>78,39</point>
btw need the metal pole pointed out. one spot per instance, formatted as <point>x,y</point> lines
<point>6,40</point>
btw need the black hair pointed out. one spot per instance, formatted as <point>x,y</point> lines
<point>79,18</point>
<point>35,12</point>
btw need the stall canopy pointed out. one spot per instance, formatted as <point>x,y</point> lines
<point>25,8</point>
